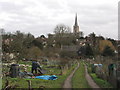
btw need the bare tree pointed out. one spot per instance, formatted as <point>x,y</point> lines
<point>61,29</point>
<point>61,33</point>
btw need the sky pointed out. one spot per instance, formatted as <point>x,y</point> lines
<point>41,16</point>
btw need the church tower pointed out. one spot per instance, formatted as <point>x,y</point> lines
<point>76,27</point>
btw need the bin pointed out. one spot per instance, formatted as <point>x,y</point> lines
<point>14,70</point>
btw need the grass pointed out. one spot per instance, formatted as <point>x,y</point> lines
<point>36,83</point>
<point>102,83</point>
<point>25,62</point>
<point>78,80</point>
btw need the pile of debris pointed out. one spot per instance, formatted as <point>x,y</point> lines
<point>15,72</point>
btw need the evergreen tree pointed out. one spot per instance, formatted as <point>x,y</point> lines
<point>108,51</point>
<point>89,52</point>
<point>86,51</point>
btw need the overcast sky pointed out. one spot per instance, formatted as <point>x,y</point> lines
<point>41,16</point>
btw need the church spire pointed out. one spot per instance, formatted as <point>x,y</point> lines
<point>76,27</point>
<point>76,24</point>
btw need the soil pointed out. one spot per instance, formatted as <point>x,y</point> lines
<point>67,83</point>
<point>90,80</point>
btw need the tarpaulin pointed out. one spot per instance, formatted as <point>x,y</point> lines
<point>47,77</point>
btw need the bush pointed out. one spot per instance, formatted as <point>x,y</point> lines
<point>66,54</point>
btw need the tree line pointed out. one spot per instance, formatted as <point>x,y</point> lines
<point>24,46</point>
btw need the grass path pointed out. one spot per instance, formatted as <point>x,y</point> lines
<point>79,80</point>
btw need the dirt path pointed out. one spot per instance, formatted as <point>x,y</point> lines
<point>67,83</point>
<point>90,80</point>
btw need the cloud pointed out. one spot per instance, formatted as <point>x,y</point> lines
<point>41,16</point>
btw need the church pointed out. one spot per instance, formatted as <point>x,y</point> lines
<point>75,33</point>
<point>72,41</point>
<point>76,29</point>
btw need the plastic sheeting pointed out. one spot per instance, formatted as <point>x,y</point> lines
<point>47,77</point>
